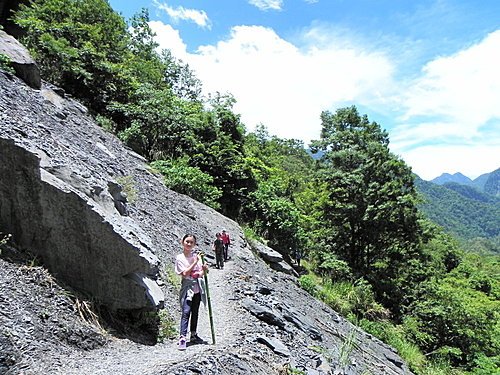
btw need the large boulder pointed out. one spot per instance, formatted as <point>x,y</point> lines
<point>70,221</point>
<point>22,62</point>
<point>71,216</point>
<point>272,257</point>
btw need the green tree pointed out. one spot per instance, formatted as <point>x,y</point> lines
<point>370,215</point>
<point>79,45</point>
<point>161,69</point>
<point>459,313</point>
<point>220,153</point>
<point>276,219</point>
<point>182,178</point>
<point>281,168</point>
<point>160,124</point>
<point>181,78</point>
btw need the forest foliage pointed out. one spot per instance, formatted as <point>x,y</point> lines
<point>464,211</point>
<point>351,212</point>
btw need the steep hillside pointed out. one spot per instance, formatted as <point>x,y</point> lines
<point>461,210</point>
<point>480,181</point>
<point>492,184</point>
<point>470,192</point>
<point>265,323</point>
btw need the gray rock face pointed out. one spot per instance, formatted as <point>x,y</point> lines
<point>265,313</point>
<point>56,205</point>
<point>23,64</point>
<point>70,220</point>
<point>275,345</point>
<point>272,257</point>
<point>302,322</point>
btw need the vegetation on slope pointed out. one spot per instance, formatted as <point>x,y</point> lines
<point>352,213</point>
<point>462,210</point>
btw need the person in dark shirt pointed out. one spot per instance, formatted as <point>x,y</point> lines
<point>218,247</point>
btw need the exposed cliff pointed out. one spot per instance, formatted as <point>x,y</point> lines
<point>106,227</point>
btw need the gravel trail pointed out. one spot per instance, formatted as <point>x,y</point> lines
<point>123,356</point>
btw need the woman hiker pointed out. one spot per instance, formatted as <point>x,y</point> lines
<point>188,265</point>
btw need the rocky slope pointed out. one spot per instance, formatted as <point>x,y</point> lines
<point>265,324</point>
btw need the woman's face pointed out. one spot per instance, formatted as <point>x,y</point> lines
<point>189,243</point>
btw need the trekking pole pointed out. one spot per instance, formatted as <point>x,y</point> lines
<point>208,300</point>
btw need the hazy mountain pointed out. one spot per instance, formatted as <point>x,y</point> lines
<point>458,178</point>
<point>492,183</point>
<point>480,181</point>
<point>488,183</point>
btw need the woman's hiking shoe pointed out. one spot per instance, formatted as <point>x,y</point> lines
<point>195,339</point>
<point>181,345</point>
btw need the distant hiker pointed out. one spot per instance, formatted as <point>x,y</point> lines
<point>227,241</point>
<point>218,247</point>
<point>188,265</point>
<point>298,256</point>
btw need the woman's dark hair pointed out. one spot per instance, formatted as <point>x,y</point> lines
<point>189,235</point>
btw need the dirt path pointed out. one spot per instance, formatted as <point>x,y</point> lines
<point>123,356</point>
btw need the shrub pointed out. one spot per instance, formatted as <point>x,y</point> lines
<point>395,336</point>
<point>182,178</point>
<point>334,268</point>
<point>6,64</point>
<point>308,283</point>
<point>487,365</point>
<point>166,326</point>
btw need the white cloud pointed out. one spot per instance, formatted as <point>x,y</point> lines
<point>455,103</point>
<point>282,86</point>
<point>286,86</point>
<point>411,135</point>
<point>463,88</point>
<point>267,4</point>
<point>431,161</point>
<point>199,17</point>
<point>169,38</point>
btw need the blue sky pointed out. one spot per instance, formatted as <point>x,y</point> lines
<point>427,71</point>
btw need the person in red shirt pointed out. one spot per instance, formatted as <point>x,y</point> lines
<point>226,241</point>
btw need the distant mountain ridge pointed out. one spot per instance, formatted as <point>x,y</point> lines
<point>492,184</point>
<point>458,178</point>
<point>467,209</point>
<point>488,183</point>
<point>471,192</point>
<point>481,180</point>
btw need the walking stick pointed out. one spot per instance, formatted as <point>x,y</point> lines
<point>208,301</point>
